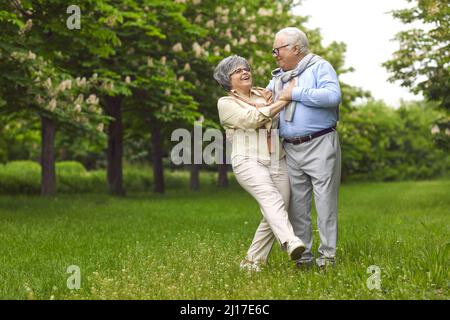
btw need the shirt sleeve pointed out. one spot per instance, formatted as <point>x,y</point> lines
<point>234,116</point>
<point>327,93</point>
<point>270,85</point>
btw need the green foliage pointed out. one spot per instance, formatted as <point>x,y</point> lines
<point>31,79</point>
<point>19,138</point>
<point>70,168</point>
<point>381,143</point>
<point>423,61</point>
<point>23,177</point>
<point>378,143</point>
<point>20,177</point>
<point>143,63</point>
<point>159,56</point>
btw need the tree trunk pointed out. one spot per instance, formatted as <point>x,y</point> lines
<point>115,146</point>
<point>223,168</point>
<point>223,177</point>
<point>194,183</point>
<point>195,177</point>
<point>48,173</point>
<point>157,155</point>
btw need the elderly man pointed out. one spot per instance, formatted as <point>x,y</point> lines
<point>310,139</point>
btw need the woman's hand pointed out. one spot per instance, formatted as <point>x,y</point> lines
<point>260,105</point>
<point>267,94</point>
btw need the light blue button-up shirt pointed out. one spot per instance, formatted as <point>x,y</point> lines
<point>318,96</point>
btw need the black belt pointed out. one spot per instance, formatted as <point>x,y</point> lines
<point>310,137</point>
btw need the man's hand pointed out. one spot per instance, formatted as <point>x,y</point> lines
<point>286,94</point>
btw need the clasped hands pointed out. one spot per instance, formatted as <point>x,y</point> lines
<point>286,94</point>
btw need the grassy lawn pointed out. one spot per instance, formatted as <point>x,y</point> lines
<point>187,245</point>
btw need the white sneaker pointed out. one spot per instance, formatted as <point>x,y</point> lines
<point>295,249</point>
<point>249,266</point>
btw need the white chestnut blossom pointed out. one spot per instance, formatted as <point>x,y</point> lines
<point>242,41</point>
<point>31,55</point>
<point>177,47</point>
<point>108,86</point>
<point>48,83</point>
<point>198,50</point>
<point>27,27</point>
<point>66,84</point>
<point>52,105</point>
<point>265,12</point>
<point>81,82</point>
<point>92,99</point>
<point>100,127</point>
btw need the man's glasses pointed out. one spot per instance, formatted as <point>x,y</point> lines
<point>240,70</point>
<point>276,51</point>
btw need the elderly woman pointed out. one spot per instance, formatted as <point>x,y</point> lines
<point>257,170</point>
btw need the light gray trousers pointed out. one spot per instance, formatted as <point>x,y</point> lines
<point>315,167</point>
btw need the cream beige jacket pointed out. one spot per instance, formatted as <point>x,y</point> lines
<point>248,127</point>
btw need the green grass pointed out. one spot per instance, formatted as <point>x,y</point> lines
<point>187,245</point>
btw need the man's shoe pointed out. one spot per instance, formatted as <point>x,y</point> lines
<point>304,265</point>
<point>295,249</point>
<point>325,265</point>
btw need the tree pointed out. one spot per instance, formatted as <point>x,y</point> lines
<point>151,34</point>
<point>423,61</point>
<point>33,43</point>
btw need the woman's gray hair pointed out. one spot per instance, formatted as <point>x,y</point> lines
<point>226,67</point>
<point>296,37</point>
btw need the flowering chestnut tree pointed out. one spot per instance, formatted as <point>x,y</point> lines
<point>58,99</point>
<point>32,81</point>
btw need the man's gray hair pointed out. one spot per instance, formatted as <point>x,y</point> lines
<point>226,67</point>
<point>295,37</point>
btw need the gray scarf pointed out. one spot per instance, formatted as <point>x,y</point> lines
<point>281,78</point>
